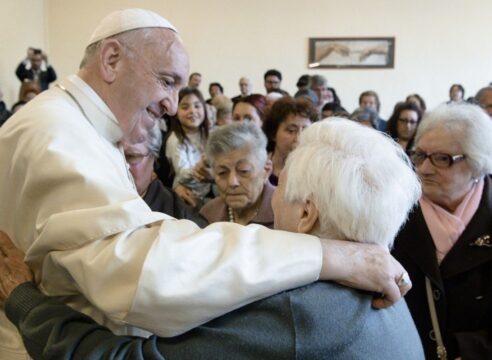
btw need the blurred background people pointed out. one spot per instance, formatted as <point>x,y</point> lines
<point>35,67</point>
<point>283,126</point>
<point>366,116</point>
<point>484,99</point>
<point>446,246</point>
<point>456,93</point>
<point>370,100</point>
<point>245,88</point>
<point>238,158</point>
<point>417,100</point>
<point>250,108</point>
<point>273,81</point>
<point>28,90</point>
<point>403,123</point>
<point>194,80</point>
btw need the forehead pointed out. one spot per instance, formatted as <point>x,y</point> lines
<point>370,98</point>
<point>272,78</point>
<point>408,113</point>
<point>296,119</point>
<point>243,107</point>
<point>439,140</point>
<point>166,53</point>
<point>233,158</point>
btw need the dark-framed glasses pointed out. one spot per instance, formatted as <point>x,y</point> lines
<point>439,160</point>
<point>408,121</point>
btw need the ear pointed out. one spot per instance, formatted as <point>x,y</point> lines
<point>309,218</point>
<point>268,168</point>
<point>110,56</point>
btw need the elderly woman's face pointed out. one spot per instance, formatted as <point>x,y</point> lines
<point>443,186</point>
<point>239,178</point>
<point>246,112</point>
<point>141,164</point>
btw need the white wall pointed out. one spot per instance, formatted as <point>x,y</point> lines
<point>438,42</point>
<point>22,25</point>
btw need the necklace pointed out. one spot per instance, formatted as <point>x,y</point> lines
<point>231,214</point>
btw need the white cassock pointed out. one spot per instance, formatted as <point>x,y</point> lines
<point>68,200</point>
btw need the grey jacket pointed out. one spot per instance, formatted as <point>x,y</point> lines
<point>320,321</point>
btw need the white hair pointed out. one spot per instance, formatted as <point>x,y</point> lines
<point>360,180</point>
<point>469,126</point>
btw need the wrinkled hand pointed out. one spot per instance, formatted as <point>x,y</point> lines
<point>186,195</point>
<point>13,270</point>
<point>202,171</point>
<point>364,266</point>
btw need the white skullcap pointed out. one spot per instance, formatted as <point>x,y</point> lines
<point>128,19</point>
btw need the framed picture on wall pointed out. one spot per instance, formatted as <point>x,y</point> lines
<point>352,53</point>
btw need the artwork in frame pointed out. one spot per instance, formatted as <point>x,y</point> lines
<point>352,53</point>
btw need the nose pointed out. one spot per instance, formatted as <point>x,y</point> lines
<point>233,181</point>
<point>426,167</point>
<point>169,103</point>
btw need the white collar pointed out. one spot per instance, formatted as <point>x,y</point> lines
<point>94,108</point>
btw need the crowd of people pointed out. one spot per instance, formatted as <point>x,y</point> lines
<point>235,171</point>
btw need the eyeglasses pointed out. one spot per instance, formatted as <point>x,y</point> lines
<point>408,121</point>
<point>439,160</point>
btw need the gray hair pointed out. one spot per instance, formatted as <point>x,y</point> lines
<point>131,38</point>
<point>360,180</point>
<point>364,114</point>
<point>470,126</point>
<point>238,135</point>
<point>318,80</point>
<point>154,140</point>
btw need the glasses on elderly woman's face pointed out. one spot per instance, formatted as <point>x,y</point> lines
<point>439,160</point>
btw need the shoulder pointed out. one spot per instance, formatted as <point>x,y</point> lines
<point>214,210</point>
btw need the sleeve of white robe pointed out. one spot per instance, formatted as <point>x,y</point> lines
<point>71,207</point>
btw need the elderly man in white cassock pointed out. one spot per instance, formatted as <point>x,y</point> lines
<point>69,202</point>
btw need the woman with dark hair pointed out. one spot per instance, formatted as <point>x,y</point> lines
<point>335,99</point>
<point>251,108</point>
<point>403,123</point>
<point>186,144</point>
<point>417,100</point>
<point>283,125</point>
<point>456,93</point>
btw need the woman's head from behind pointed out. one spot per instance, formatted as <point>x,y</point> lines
<point>285,122</point>
<point>362,171</point>
<point>237,155</point>
<point>452,150</point>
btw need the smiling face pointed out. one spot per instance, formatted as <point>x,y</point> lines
<point>443,186</point>
<point>288,132</point>
<point>239,178</point>
<point>147,78</point>
<point>191,113</point>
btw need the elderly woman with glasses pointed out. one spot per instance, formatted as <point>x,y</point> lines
<point>446,245</point>
<point>238,158</point>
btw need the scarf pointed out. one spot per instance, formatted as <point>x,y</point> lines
<point>445,227</point>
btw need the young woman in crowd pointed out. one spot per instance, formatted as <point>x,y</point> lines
<point>283,125</point>
<point>250,108</point>
<point>186,144</point>
<point>403,123</point>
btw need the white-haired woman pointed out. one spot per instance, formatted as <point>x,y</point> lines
<point>446,245</point>
<point>238,158</point>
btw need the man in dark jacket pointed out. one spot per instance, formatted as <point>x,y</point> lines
<point>36,68</point>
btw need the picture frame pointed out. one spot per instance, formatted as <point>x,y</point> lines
<point>352,53</point>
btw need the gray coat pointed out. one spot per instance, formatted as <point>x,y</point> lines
<point>320,321</point>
